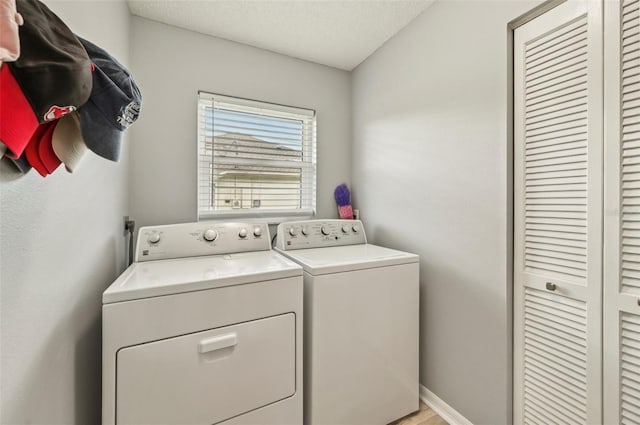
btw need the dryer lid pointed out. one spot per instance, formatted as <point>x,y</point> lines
<point>318,261</point>
<point>168,277</point>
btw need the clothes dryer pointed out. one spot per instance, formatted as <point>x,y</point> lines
<point>204,327</point>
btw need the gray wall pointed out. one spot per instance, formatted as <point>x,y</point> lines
<point>430,176</point>
<point>61,244</point>
<point>172,64</point>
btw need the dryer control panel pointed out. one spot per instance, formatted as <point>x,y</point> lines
<point>202,238</point>
<point>319,233</point>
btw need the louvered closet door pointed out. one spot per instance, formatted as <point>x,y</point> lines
<point>622,205</point>
<point>558,216</point>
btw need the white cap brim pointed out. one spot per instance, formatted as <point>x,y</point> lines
<point>68,143</point>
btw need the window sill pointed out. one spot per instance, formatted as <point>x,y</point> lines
<point>269,217</point>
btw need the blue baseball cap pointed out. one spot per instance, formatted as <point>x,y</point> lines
<point>113,106</point>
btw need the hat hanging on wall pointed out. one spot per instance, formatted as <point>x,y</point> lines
<point>54,74</point>
<point>51,78</point>
<point>67,142</point>
<point>53,143</point>
<point>113,106</point>
<point>42,136</point>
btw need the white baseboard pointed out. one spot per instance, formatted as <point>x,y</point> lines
<point>443,410</point>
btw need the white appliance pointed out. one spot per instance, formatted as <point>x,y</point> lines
<point>205,327</point>
<point>361,309</point>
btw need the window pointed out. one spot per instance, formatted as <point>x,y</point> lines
<point>255,159</point>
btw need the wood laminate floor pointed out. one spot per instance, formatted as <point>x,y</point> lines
<point>424,416</point>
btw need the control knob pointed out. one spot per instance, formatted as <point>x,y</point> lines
<point>325,230</point>
<point>154,238</point>
<point>356,228</point>
<point>345,229</point>
<point>293,231</point>
<point>242,233</point>
<point>257,231</point>
<point>210,235</point>
<point>305,231</point>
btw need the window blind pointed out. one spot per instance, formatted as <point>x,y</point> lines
<point>255,159</point>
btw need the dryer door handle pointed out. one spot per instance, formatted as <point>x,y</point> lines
<point>217,343</point>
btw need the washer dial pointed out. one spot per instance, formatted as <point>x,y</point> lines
<point>210,235</point>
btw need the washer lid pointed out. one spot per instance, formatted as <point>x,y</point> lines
<point>167,277</point>
<point>317,261</point>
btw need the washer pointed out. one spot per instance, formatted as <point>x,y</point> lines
<point>205,327</point>
<point>361,323</point>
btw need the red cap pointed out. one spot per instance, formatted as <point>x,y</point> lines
<point>18,121</point>
<point>43,131</point>
<point>45,150</point>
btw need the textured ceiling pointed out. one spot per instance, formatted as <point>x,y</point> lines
<point>336,33</point>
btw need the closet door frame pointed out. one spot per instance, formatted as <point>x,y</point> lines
<point>611,273</point>
<point>592,293</point>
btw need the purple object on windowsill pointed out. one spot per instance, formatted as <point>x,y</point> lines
<point>343,199</point>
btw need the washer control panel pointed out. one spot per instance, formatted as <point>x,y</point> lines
<point>319,233</point>
<point>203,238</point>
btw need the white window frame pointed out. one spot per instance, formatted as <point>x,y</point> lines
<point>205,210</point>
